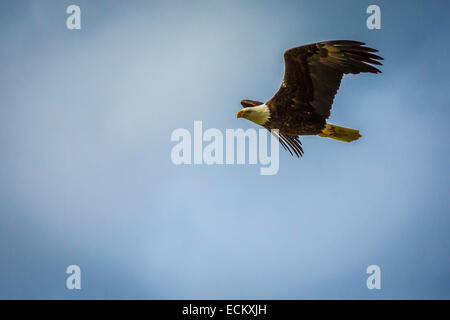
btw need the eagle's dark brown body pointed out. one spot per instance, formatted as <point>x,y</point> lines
<point>297,121</point>
<point>312,77</point>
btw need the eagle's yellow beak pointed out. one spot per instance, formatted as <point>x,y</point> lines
<point>240,113</point>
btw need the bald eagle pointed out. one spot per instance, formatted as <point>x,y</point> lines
<point>312,76</point>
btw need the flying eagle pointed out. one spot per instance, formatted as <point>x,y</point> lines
<point>312,76</point>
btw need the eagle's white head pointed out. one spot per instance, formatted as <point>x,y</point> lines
<point>259,114</point>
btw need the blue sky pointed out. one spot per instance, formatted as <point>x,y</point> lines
<point>86,175</point>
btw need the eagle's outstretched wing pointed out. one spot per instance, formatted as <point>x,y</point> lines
<point>313,73</point>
